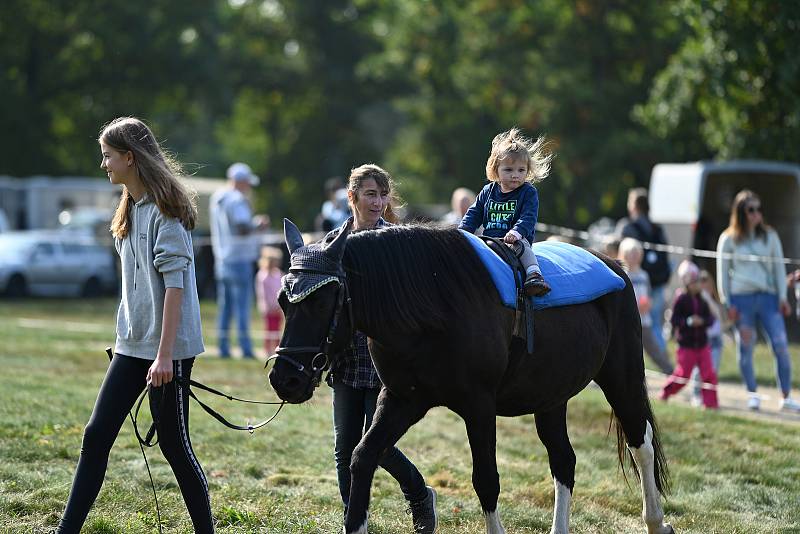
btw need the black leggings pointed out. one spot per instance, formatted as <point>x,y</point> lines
<point>124,381</point>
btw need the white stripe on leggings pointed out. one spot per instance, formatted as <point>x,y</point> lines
<point>187,447</point>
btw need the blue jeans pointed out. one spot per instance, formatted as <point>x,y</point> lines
<point>235,286</point>
<point>353,409</point>
<point>657,316</point>
<point>761,309</point>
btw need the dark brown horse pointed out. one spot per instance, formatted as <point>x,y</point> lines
<point>439,336</point>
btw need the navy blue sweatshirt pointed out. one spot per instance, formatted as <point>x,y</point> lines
<point>500,212</point>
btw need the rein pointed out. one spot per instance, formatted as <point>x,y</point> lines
<point>184,383</point>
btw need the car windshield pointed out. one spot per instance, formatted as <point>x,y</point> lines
<point>14,246</point>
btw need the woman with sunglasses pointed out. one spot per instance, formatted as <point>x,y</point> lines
<point>751,279</point>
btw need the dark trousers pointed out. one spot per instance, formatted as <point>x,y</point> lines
<point>124,381</point>
<point>353,409</point>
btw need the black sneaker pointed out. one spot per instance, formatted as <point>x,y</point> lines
<point>535,286</point>
<point>423,513</point>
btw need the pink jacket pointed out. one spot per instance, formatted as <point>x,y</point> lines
<point>268,284</point>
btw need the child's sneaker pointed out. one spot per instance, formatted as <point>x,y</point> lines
<point>754,402</point>
<point>535,286</point>
<point>788,404</point>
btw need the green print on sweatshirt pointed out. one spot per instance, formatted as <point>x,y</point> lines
<point>500,214</point>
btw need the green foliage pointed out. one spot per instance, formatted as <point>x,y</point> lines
<point>733,81</point>
<point>307,90</point>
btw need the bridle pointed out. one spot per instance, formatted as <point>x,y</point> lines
<point>322,359</point>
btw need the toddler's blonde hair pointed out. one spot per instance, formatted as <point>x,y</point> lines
<point>630,246</point>
<point>512,144</point>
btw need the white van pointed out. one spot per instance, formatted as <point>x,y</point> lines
<point>692,201</point>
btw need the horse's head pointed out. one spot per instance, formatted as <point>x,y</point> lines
<point>315,301</point>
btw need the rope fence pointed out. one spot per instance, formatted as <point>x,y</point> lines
<point>276,239</point>
<point>672,249</point>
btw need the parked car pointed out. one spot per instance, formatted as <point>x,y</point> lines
<point>55,263</point>
<point>5,226</point>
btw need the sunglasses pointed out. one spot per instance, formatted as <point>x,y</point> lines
<point>753,209</point>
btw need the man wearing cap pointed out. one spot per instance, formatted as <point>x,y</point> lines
<point>235,253</point>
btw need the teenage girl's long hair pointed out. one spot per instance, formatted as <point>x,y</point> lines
<point>159,172</point>
<point>383,180</point>
<point>737,227</point>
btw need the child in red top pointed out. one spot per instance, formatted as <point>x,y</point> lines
<point>268,283</point>
<point>691,316</point>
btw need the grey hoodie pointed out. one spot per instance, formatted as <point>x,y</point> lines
<point>156,254</point>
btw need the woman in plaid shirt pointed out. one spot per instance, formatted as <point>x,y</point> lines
<point>353,378</point>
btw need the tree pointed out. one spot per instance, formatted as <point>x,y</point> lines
<point>572,71</point>
<point>732,85</point>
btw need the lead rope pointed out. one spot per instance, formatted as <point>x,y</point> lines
<point>182,382</point>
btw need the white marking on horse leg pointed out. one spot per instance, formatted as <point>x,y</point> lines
<point>652,513</point>
<point>563,501</point>
<point>493,525</point>
<point>360,530</point>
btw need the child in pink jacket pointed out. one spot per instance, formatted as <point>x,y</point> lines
<point>268,283</point>
<point>691,317</point>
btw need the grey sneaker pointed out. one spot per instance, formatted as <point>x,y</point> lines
<point>423,513</point>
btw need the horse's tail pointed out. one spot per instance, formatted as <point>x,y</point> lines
<point>660,467</point>
<point>626,352</point>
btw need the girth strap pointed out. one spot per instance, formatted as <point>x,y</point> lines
<point>524,303</point>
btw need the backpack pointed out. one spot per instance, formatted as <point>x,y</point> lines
<point>655,262</point>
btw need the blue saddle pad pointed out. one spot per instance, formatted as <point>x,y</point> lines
<point>574,274</point>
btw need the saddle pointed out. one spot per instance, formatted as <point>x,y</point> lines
<point>523,321</point>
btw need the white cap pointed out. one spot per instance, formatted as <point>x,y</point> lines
<point>241,172</point>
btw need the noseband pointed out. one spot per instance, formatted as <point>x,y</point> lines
<point>322,359</point>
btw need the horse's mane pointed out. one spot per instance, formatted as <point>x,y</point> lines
<point>417,277</point>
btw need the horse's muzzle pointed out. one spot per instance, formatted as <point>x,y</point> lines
<point>291,386</point>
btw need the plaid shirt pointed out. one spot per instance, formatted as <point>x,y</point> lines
<point>354,366</point>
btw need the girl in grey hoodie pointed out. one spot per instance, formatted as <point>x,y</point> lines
<point>158,321</point>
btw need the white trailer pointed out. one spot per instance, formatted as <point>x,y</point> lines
<point>692,201</point>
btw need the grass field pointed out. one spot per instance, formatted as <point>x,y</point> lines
<point>730,474</point>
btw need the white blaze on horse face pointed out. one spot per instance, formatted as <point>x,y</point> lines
<point>652,513</point>
<point>493,525</point>
<point>563,501</point>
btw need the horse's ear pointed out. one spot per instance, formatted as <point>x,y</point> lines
<point>294,239</point>
<point>336,248</point>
